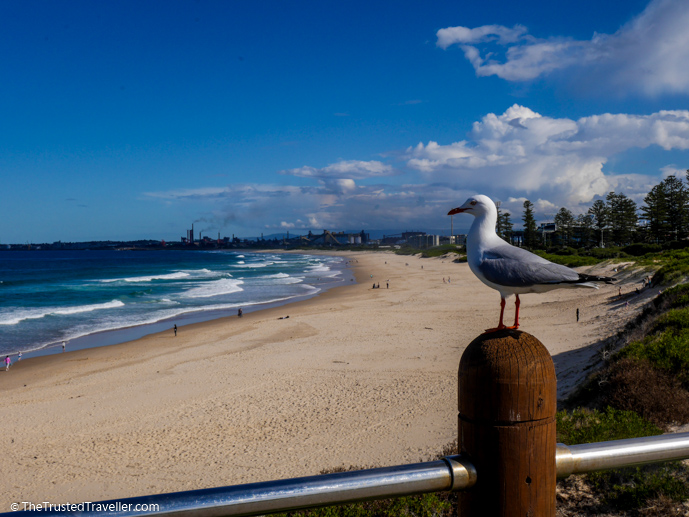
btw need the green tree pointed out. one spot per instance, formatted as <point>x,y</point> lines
<point>654,211</point>
<point>564,221</point>
<point>622,217</point>
<point>505,225</point>
<point>677,206</point>
<point>599,212</point>
<point>529,225</point>
<point>584,225</point>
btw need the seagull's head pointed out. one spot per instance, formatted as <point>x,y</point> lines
<point>476,205</point>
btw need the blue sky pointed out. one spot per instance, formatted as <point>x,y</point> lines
<point>128,120</point>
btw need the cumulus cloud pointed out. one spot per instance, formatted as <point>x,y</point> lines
<point>647,55</point>
<point>560,158</point>
<point>672,170</point>
<point>512,156</point>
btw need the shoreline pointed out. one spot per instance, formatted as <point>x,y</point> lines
<point>126,334</point>
<point>355,376</point>
<point>252,313</point>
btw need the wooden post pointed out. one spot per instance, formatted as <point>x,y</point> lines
<point>507,406</point>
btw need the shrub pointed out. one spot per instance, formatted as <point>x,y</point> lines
<point>589,426</point>
<point>439,251</point>
<point>569,260</point>
<point>632,488</point>
<point>667,350</point>
<point>606,253</point>
<point>639,249</point>
<point>656,395</point>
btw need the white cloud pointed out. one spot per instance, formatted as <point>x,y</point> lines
<point>522,151</point>
<point>512,156</point>
<point>503,35</point>
<point>648,55</point>
<point>346,169</point>
<point>672,170</point>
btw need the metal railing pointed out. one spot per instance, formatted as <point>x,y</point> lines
<point>450,473</point>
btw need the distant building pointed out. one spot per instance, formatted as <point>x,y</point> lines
<point>460,239</point>
<point>424,241</point>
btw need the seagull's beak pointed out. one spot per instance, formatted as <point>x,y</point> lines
<point>457,210</point>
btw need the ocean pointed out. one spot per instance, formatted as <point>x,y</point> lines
<point>86,297</point>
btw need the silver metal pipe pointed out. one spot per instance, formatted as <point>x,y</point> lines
<point>590,457</point>
<point>452,473</point>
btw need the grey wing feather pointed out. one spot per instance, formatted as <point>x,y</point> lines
<point>515,267</point>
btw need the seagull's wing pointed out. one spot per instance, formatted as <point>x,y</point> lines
<point>514,267</point>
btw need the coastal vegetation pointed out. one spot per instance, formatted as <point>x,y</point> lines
<point>642,389</point>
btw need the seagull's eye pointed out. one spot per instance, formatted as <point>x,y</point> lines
<point>472,203</point>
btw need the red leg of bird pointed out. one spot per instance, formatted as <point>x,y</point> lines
<point>516,314</point>
<point>501,325</point>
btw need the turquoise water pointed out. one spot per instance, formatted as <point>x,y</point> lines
<point>50,296</point>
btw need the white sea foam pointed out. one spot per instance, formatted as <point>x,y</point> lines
<point>318,268</point>
<point>215,288</point>
<point>17,316</point>
<point>288,280</point>
<point>241,264</point>
<point>168,276</point>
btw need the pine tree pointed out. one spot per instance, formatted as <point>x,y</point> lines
<point>600,218</point>
<point>585,226</point>
<point>505,225</point>
<point>529,225</point>
<point>564,220</point>
<point>655,213</point>
<point>622,217</point>
<point>677,206</point>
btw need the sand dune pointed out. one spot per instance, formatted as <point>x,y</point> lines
<point>355,376</point>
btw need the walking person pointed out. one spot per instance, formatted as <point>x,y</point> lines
<point>577,315</point>
<point>8,362</point>
<point>64,344</point>
<point>175,329</point>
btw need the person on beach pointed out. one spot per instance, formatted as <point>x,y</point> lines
<point>175,329</point>
<point>240,312</point>
<point>64,344</point>
<point>19,357</point>
<point>577,315</point>
<point>8,362</point>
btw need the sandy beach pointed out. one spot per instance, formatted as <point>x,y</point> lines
<point>354,376</point>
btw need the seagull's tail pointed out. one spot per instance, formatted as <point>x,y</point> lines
<point>595,278</point>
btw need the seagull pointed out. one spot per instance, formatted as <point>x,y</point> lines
<point>508,269</point>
